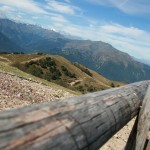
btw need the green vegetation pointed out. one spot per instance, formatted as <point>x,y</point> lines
<point>56,69</point>
<point>85,70</point>
<point>112,84</point>
<point>13,70</point>
<point>91,89</point>
<point>41,54</point>
<point>34,70</point>
<point>45,68</point>
<point>67,72</point>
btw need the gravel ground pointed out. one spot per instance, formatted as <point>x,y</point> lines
<point>119,140</point>
<point>18,92</point>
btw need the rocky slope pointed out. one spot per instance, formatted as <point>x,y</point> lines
<point>18,92</point>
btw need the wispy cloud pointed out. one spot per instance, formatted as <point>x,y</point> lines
<point>4,10</point>
<point>127,6</point>
<point>59,19</point>
<point>127,39</point>
<point>63,7</point>
<point>24,5</point>
<point>56,15</point>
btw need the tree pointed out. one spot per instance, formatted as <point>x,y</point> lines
<point>36,71</point>
<point>112,84</point>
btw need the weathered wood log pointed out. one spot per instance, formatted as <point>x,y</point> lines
<point>143,123</point>
<point>78,123</point>
<point>132,137</point>
<point>138,139</point>
<point>148,145</point>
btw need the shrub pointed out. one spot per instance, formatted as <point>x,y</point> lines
<point>80,88</point>
<point>63,68</point>
<point>47,76</point>
<point>112,84</point>
<point>47,62</point>
<point>91,89</point>
<point>85,70</point>
<point>56,75</point>
<point>67,72</point>
<point>18,52</point>
<point>32,62</point>
<point>52,69</point>
<point>40,54</point>
<point>36,71</point>
<point>43,63</point>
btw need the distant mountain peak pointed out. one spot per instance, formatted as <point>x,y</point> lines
<point>97,55</point>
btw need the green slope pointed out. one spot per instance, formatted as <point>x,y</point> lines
<point>58,70</point>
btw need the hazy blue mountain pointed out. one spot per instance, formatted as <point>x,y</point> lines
<point>31,37</point>
<point>106,60</point>
<point>97,55</point>
<point>144,61</point>
<point>6,45</point>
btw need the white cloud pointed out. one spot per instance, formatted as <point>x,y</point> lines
<point>62,7</point>
<point>58,18</point>
<point>35,17</point>
<point>4,10</point>
<point>128,39</point>
<point>127,6</point>
<point>24,5</point>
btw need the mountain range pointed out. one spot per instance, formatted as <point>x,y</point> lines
<point>96,55</point>
<point>7,45</point>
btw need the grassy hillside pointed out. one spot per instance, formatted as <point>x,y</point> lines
<point>6,66</point>
<point>58,70</point>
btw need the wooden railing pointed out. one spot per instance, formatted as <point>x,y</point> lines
<point>79,123</point>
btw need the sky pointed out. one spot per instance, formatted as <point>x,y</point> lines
<point>125,24</point>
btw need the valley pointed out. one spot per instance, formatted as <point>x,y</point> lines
<point>96,55</point>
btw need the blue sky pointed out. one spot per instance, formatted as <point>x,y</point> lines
<point>123,23</point>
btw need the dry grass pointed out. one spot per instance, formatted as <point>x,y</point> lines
<point>4,67</point>
<point>97,81</point>
<point>18,58</point>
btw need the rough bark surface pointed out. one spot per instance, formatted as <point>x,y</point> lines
<point>143,128</point>
<point>80,123</point>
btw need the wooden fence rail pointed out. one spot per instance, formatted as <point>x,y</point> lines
<point>79,123</point>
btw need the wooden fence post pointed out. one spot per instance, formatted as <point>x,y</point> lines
<point>138,139</point>
<point>79,123</point>
<point>143,123</point>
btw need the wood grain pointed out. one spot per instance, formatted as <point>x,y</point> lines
<point>79,123</point>
<point>143,124</point>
